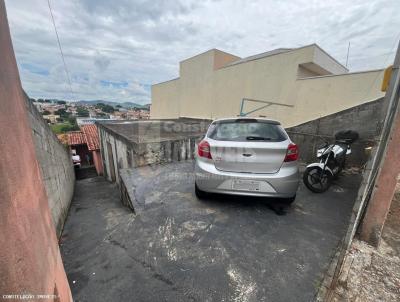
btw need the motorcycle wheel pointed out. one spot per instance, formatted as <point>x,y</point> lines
<point>316,180</point>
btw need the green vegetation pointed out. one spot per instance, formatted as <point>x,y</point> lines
<point>82,112</point>
<point>45,112</point>
<point>105,107</point>
<point>62,113</point>
<point>64,127</point>
<point>69,124</point>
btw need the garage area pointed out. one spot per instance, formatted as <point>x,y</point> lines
<point>179,248</point>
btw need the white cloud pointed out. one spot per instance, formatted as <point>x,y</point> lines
<point>141,42</point>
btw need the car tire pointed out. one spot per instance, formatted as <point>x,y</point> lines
<point>290,200</point>
<point>199,193</point>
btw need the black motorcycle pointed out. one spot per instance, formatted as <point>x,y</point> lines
<point>318,176</point>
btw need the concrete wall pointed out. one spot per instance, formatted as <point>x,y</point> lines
<point>202,91</point>
<point>55,165</point>
<point>366,119</point>
<point>125,153</point>
<point>30,260</point>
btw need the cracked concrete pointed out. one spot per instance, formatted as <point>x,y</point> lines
<point>179,248</point>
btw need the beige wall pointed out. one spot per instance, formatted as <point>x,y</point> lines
<point>203,92</point>
<point>222,59</point>
<point>165,99</point>
<point>321,96</point>
<point>321,58</point>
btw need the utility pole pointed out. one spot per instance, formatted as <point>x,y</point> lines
<point>347,57</point>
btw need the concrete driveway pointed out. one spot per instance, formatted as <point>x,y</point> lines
<point>182,249</point>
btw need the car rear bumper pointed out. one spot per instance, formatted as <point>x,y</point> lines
<point>282,184</point>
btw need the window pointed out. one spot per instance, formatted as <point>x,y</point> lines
<point>252,130</point>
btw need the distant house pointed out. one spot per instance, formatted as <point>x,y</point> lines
<point>92,141</point>
<point>89,120</point>
<point>77,144</point>
<point>85,143</point>
<point>51,118</point>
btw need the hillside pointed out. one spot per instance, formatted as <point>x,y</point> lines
<point>124,104</point>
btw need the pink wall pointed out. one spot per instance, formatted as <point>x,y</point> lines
<point>98,163</point>
<point>30,261</point>
<point>385,187</point>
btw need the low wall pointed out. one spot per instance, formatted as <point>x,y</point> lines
<point>366,119</point>
<point>55,165</point>
<point>119,151</point>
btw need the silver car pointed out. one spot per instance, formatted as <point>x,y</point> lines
<point>247,156</point>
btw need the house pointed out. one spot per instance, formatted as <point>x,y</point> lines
<point>293,85</point>
<point>85,143</point>
<point>93,145</point>
<point>51,118</point>
<point>77,144</point>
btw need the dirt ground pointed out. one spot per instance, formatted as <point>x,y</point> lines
<point>371,274</point>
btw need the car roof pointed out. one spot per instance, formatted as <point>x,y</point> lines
<point>246,118</point>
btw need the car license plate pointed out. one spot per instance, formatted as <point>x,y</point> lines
<point>247,185</point>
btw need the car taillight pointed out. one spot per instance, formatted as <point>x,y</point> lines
<point>292,153</point>
<point>204,149</point>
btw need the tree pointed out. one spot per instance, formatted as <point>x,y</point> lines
<point>108,109</point>
<point>46,112</point>
<point>105,108</point>
<point>72,120</point>
<point>82,112</point>
<point>62,112</point>
<point>61,102</point>
<point>69,127</point>
<point>118,106</point>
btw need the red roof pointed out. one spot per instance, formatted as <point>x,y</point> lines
<point>76,138</point>
<point>92,136</point>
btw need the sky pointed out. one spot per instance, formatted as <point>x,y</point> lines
<point>115,50</point>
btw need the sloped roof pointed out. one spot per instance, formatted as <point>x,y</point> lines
<point>92,137</point>
<point>76,138</point>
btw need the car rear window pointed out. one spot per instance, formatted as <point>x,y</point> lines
<point>246,131</point>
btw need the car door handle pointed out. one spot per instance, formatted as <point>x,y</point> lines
<point>247,154</point>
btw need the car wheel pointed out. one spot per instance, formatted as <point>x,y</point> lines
<point>289,201</point>
<point>199,193</point>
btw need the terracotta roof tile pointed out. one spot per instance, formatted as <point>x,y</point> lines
<point>76,138</point>
<point>92,136</point>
